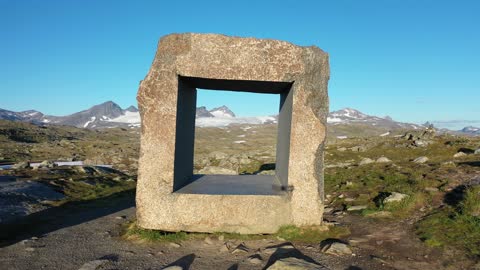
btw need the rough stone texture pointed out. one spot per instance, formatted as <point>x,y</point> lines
<point>212,56</point>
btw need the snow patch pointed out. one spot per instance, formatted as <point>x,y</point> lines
<point>128,117</point>
<point>88,122</point>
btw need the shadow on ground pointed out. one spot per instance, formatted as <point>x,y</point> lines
<point>184,262</point>
<point>283,251</point>
<point>66,215</point>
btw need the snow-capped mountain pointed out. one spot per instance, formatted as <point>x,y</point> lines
<point>350,116</point>
<point>101,115</point>
<point>30,115</point>
<point>222,111</point>
<point>203,112</point>
<point>470,131</point>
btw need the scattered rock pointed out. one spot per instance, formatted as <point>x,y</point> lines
<point>30,249</point>
<point>342,149</point>
<point>336,248</point>
<point>174,267</point>
<point>356,208</point>
<point>395,197</point>
<point>459,154</point>
<point>21,165</point>
<point>294,264</point>
<point>208,240</point>
<point>47,164</point>
<point>121,217</point>
<point>431,189</point>
<point>420,160</point>
<point>477,152</point>
<point>221,237</point>
<point>449,164</point>
<point>224,248</point>
<point>216,170</point>
<point>366,161</point>
<point>93,265</point>
<point>218,155</point>
<point>383,160</point>
<point>255,259</point>
<point>175,245</point>
<point>360,148</point>
<point>242,248</point>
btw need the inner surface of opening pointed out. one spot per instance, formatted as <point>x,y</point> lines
<point>209,174</point>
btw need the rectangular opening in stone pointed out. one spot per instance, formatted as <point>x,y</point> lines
<point>189,179</point>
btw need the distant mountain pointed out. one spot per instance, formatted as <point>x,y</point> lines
<point>223,111</point>
<point>342,123</point>
<point>203,112</point>
<point>470,131</point>
<point>96,117</point>
<point>352,116</point>
<point>27,116</point>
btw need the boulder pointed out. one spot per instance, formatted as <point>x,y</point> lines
<point>336,248</point>
<point>291,263</point>
<point>216,170</point>
<point>366,161</point>
<point>420,160</point>
<point>459,155</point>
<point>47,164</point>
<point>395,197</point>
<point>21,165</point>
<point>383,160</point>
<point>477,152</point>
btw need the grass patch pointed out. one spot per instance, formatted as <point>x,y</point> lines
<point>289,233</point>
<point>455,226</point>
<point>311,234</point>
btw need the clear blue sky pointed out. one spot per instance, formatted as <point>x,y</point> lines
<point>413,60</point>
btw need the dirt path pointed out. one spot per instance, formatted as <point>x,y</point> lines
<point>88,235</point>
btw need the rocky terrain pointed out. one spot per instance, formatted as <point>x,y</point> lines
<point>395,199</point>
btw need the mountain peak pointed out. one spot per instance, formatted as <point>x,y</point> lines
<point>222,111</point>
<point>131,109</point>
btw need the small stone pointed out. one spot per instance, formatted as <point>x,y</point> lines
<point>383,160</point>
<point>431,189</point>
<point>242,248</point>
<point>93,265</point>
<point>366,161</point>
<point>337,248</point>
<point>174,267</point>
<point>477,152</point>
<point>30,249</point>
<point>356,208</point>
<point>221,237</point>
<point>224,248</point>
<point>255,259</point>
<point>395,197</point>
<point>175,245</point>
<point>342,149</point>
<point>349,199</point>
<point>292,263</point>
<point>449,164</point>
<point>208,240</point>
<point>21,165</point>
<point>421,160</point>
<point>120,217</point>
<point>459,155</point>
<point>160,253</point>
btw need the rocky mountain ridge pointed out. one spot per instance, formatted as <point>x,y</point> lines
<point>109,114</point>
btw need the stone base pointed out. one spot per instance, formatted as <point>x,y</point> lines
<point>244,214</point>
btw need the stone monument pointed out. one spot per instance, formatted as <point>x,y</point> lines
<point>170,197</point>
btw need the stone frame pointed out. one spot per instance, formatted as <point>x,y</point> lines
<point>186,61</point>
